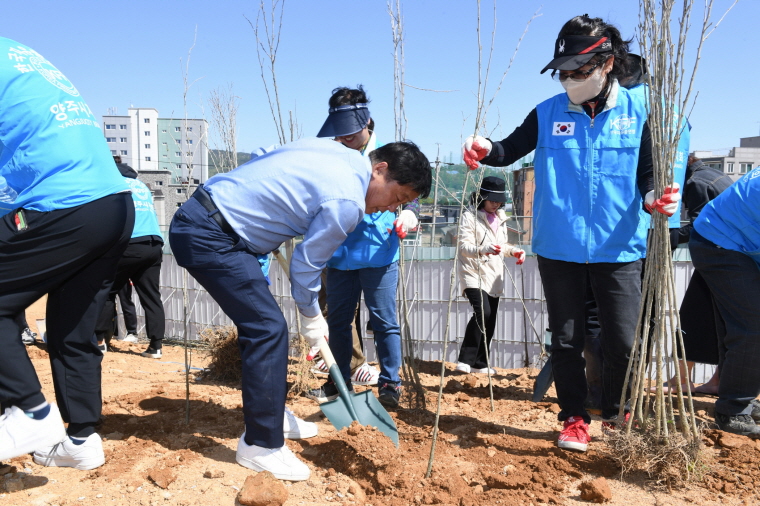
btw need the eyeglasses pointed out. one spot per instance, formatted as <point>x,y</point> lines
<point>576,75</point>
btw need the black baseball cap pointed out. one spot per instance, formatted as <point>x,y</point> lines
<point>571,52</point>
<point>345,120</point>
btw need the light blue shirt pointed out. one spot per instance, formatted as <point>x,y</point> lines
<point>52,151</point>
<point>311,187</point>
<point>732,219</point>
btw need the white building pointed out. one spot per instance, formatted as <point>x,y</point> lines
<point>739,160</point>
<point>149,143</point>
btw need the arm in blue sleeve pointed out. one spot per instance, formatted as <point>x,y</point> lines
<point>330,227</point>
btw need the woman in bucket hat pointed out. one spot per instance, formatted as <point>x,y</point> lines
<point>482,243</point>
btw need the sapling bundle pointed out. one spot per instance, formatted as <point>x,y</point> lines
<point>664,422</point>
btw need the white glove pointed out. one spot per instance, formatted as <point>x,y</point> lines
<point>314,329</point>
<point>405,222</point>
<point>667,204</point>
<point>474,149</point>
<point>489,249</point>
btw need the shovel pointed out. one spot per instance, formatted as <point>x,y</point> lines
<point>544,380</point>
<point>349,406</point>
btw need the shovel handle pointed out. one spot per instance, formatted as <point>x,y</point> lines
<point>337,377</point>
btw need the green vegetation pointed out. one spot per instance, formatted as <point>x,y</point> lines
<point>214,155</point>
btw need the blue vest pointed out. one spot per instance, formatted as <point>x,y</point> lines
<point>586,206</point>
<point>679,166</point>
<point>52,151</point>
<point>146,222</point>
<point>369,245</point>
<point>732,219</point>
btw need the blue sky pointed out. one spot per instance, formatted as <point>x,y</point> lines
<point>122,54</point>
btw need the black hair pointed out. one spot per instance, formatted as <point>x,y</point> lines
<point>597,27</point>
<point>348,96</point>
<point>476,200</point>
<point>117,158</point>
<point>407,165</point>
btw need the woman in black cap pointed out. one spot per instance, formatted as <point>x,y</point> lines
<point>592,169</point>
<point>483,241</point>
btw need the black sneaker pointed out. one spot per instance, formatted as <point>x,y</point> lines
<point>388,394</point>
<point>738,424</point>
<point>326,392</point>
<point>755,410</point>
<point>152,352</point>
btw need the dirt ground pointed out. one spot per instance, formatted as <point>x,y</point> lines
<point>482,457</point>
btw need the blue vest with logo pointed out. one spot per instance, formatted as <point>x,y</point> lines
<point>732,219</point>
<point>587,206</point>
<point>52,151</point>
<point>681,159</point>
<point>146,222</point>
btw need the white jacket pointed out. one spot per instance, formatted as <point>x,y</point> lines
<point>485,272</point>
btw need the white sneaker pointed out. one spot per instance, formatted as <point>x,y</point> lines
<point>88,455</point>
<point>103,347</point>
<point>28,337</point>
<point>483,371</point>
<point>295,428</point>
<point>20,434</point>
<point>129,338</point>
<point>365,374</point>
<point>279,461</point>
<point>462,367</point>
<point>320,368</point>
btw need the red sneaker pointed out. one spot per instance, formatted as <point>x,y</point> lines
<point>574,435</point>
<point>611,424</point>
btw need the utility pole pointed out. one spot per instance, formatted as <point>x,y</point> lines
<point>435,194</point>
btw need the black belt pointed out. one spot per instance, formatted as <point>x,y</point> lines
<point>201,195</point>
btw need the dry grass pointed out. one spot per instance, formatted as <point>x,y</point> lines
<point>670,462</point>
<point>226,365</point>
<point>300,368</point>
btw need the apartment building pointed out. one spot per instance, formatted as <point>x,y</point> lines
<point>739,161</point>
<point>147,142</point>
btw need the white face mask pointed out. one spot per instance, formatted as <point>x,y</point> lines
<point>580,91</point>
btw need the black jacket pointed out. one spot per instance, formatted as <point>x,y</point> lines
<point>702,184</point>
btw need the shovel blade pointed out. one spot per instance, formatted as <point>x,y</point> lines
<point>544,380</point>
<point>368,410</point>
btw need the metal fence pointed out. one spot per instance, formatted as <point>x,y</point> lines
<point>428,290</point>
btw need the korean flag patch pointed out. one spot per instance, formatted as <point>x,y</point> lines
<point>563,128</point>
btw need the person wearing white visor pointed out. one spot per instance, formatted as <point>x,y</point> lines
<point>367,261</point>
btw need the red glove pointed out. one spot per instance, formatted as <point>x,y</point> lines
<point>406,222</point>
<point>475,148</point>
<point>519,255</point>
<point>667,204</point>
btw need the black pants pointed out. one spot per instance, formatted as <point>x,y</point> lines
<point>473,350</point>
<point>127,309</point>
<point>71,255</point>
<point>617,291</point>
<point>141,263</point>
